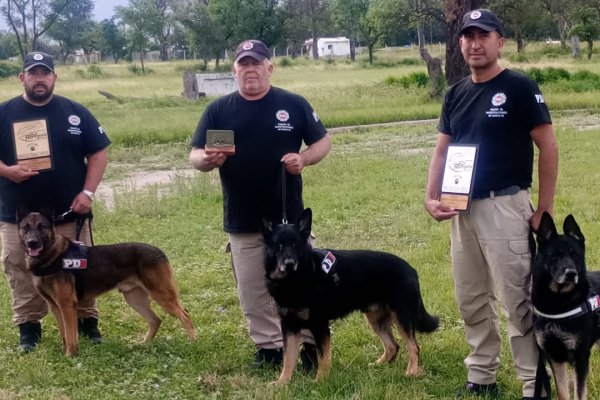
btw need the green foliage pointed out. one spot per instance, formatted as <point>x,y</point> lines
<point>134,69</point>
<point>548,74</point>
<point>285,62</point>
<point>9,69</point>
<point>93,71</point>
<point>414,79</point>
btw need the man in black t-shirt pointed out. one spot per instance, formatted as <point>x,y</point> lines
<point>269,125</point>
<point>504,113</point>
<point>52,150</point>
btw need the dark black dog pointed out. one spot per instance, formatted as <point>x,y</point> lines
<point>312,287</point>
<point>565,299</point>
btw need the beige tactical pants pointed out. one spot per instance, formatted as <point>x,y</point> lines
<point>490,256</point>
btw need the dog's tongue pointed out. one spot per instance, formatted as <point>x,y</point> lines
<point>33,252</point>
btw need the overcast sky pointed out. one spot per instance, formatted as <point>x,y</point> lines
<point>105,8</point>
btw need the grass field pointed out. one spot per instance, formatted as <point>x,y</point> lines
<point>366,194</point>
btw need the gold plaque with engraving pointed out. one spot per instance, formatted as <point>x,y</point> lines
<point>220,141</point>
<point>32,144</point>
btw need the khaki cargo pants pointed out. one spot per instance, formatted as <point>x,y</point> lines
<point>490,257</point>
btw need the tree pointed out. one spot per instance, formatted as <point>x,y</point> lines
<point>350,16</point>
<point>71,25</point>
<point>113,41</point>
<point>456,67</point>
<point>8,45</point>
<point>588,27</point>
<point>140,19</point>
<point>30,19</point>
<point>205,35</point>
<point>314,14</point>
<point>558,9</point>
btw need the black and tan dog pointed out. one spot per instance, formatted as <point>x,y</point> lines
<point>566,304</point>
<point>63,276</point>
<point>312,287</point>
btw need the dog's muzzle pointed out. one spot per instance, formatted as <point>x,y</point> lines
<point>33,247</point>
<point>288,264</point>
<point>570,275</point>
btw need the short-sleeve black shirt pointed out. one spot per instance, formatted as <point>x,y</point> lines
<point>498,115</point>
<point>265,130</point>
<point>74,133</point>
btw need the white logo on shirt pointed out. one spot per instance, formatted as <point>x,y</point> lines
<point>498,99</point>
<point>539,98</point>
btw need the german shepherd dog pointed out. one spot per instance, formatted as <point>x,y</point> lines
<point>62,282</point>
<point>565,300</point>
<point>312,287</point>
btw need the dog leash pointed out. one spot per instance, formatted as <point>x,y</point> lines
<point>79,222</point>
<point>283,194</point>
<point>542,379</point>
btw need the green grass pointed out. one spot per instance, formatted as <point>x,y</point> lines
<point>366,194</point>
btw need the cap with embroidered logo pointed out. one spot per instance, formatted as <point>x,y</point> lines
<point>482,19</point>
<point>38,58</point>
<point>252,48</point>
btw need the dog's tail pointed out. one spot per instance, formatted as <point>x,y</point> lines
<point>426,322</point>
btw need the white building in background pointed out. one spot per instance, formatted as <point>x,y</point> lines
<point>330,47</point>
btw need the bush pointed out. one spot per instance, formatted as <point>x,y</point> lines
<point>8,69</point>
<point>415,79</point>
<point>285,62</point>
<point>134,69</point>
<point>547,75</point>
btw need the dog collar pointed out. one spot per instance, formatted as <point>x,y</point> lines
<point>590,305</point>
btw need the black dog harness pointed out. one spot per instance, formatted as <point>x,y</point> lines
<point>73,260</point>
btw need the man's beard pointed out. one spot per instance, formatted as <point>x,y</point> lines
<point>33,95</point>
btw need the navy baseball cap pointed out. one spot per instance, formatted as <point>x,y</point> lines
<point>483,19</point>
<point>252,48</point>
<point>38,58</point>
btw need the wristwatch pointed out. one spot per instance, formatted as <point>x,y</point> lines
<point>89,194</point>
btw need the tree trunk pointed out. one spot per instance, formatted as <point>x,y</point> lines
<point>315,46</point>
<point>520,41</point>
<point>352,47</point>
<point>371,46</point>
<point>590,48</point>
<point>436,77</point>
<point>456,68</point>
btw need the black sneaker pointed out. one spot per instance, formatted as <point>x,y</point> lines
<point>267,357</point>
<point>474,389</point>
<point>531,398</point>
<point>30,334</point>
<point>308,357</point>
<point>88,327</point>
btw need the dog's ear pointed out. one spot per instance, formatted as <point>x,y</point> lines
<point>266,227</point>
<point>305,222</point>
<point>571,228</point>
<point>547,229</point>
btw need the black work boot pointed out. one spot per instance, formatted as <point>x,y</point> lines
<point>308,357</point>
<point>267,357</point>
<point>88,327</point>
<point>30,335</point>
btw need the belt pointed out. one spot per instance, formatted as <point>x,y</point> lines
<point>514,189</point>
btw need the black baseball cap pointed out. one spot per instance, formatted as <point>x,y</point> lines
<point>36,58</point>
<point>483,19</point>
<point>252,48</point>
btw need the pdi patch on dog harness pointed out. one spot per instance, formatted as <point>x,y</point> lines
<point>75,258</point>
<point>328,264</point>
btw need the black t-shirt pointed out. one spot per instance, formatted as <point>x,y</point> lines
<point>498,115</point>
<point>73,133</point>
<point>265,130</point>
